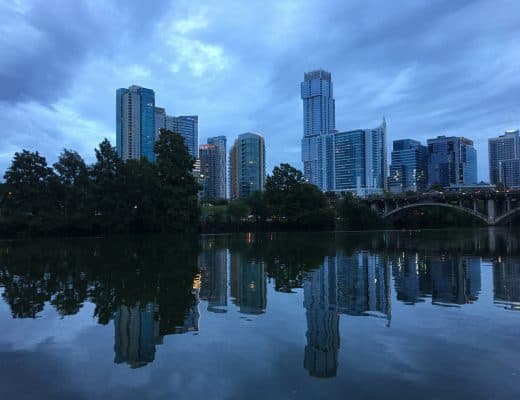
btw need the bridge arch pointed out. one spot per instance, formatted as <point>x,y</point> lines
<point>466,210</point>
<point>508,216</point>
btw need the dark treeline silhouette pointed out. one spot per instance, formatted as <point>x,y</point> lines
<point>108,196</point>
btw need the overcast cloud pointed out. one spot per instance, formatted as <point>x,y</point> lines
<point>430,67</point>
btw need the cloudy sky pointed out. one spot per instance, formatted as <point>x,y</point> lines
<point>430,67</point>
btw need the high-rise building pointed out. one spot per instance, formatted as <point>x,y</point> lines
<point>409,168</point>
<point>221,164</point>
<point>135,123</point>
<point>246,165</point>
<point>318,119</point>
<point>354,161</point>
<point>209,157</point>
<point>504,149</point>
<point>188,127</point>
<point>160,121</point>
<point>451,161</point>
<point>213,265</point>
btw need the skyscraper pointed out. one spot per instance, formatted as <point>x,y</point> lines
<point>188,127</point>
<point>209,158</point>
<point>408,170</point>
<point>135,123</point>
<point>503,150</point>
<point>246,165</point>
<point>354,161</point>
<point>451,161</point>
<point>318,119</point>
<point>221,164</point>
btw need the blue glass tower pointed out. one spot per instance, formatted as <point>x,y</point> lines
<point>451,161</point>
<point>188,127</point>
<point>318,119</point>
<point>408,170</point>
<point>135,123</point>
<point>221,164</point>
<point>247,165</point>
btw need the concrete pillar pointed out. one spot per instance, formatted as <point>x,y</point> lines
<point>475,205</point>
<point>491,211</point>
<point>508,204</point>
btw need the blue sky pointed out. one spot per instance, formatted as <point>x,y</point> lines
<point>430,67</point>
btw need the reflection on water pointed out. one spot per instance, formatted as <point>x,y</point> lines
<point>149,289</point>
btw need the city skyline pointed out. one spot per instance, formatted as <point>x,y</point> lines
<point>431,69</point>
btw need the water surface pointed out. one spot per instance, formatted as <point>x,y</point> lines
<point>415,314</point>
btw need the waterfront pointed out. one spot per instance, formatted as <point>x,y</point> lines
<point>411,314</point>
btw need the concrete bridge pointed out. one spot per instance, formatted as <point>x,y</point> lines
<point>491,207</point>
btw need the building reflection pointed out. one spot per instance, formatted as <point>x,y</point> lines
<point>248,284</point>
<point>136,334</point>
<point>506,282</point>
<point>213,267</point>
<point>448,280</point>
<point>355,285</point>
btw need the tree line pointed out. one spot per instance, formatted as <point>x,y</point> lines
<point>109,196</point>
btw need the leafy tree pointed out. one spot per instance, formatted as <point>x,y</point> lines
<point>178,207</point>
<point>355,214</point>
<point>238,210</point>
<point>73,189</point>
<point>30,202</point>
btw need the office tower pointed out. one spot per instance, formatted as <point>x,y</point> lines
<point>504,151</point>
<point>354,161</point>
<point>160,120</point>
<point>188,127</point>
<point>318,119</point>
<point>451,161</point>
<point>221,165</point>
<point>510,173</point>
<point>209,154</point>
<point>246,165</point>
<point>135,123</point>
<point>409,168</point>
<point>136,334</point>
<point>320,302</point>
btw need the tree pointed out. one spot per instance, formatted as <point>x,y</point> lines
<point>179,207</point>
<point>107,191</point>
<point>31,201</point>
<point>354,214</point>
<point>73,188</point>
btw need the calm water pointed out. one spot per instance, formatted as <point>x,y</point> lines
<point>431,314</point>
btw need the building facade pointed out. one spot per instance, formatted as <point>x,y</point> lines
<point>221,164</point>
<point>188,127</point>
<point>246,165</point>
<point>135,123</point>
<point>354,161</point>
<point>451,161</point>
<point>318,119</point>
<point>208,156</point>
<point>504,149</point>
<point>408,168</point>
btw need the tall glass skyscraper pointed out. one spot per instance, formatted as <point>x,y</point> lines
<point>408,170</point>
<point>246,165</point>
<point>188,127</point>
<point>221,163</point>
<point>451,161</point>
<point>135,123</point>
<point>354,161</point>
<point>503,150</point>
<point>208,170</point>
<point>318,119</point>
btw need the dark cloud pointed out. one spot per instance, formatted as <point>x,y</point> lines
<point>441,67</point>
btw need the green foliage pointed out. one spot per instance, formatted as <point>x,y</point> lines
<point>30,203</point>
<point>109,196</point>
<point>356,215</point>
